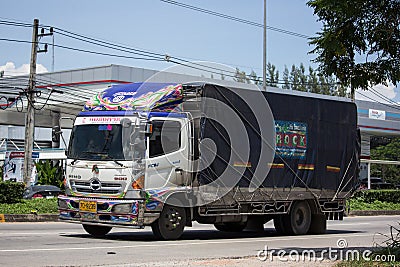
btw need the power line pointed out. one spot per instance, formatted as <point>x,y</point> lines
<point>112,46</point>
<point>383,97</point>
<point>179,61</point>
<point>80,50</point>
<point>152,55</point>
<point>236,19</point>
<point>374,100</point>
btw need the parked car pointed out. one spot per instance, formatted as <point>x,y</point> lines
<point>376,183</point>
<point>42,191</point>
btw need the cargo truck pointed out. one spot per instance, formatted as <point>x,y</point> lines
<point>165,155</point>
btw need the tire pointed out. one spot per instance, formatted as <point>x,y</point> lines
<point>279,225</point>
<point>299,220</point>
<point>96,230</point>
<point>171,223</point>
<point>230,227</point>
<point>318,224</point>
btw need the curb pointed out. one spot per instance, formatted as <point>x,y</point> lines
<point>28,218</point>
<point>373,212</point>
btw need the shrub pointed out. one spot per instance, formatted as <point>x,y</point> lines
<point>49,173</point>
<point>369,196</point>
<point>26,206</point>
<point>11,192</point>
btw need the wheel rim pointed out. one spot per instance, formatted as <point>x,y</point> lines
<point>172,219</point>
<point>299,217</point>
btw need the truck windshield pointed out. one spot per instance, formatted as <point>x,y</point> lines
<point>96,142</point>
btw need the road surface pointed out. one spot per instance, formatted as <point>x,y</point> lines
<point>63,244</point>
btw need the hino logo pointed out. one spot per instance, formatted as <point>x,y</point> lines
<point>95,184</point>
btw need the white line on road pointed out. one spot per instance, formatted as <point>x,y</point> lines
<point>40,233</point>
<point>198,242</point>
<point>347,224</point>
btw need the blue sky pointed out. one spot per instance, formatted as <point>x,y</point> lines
<point>163,28</point>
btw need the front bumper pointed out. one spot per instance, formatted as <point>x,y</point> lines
<point>106,211</point>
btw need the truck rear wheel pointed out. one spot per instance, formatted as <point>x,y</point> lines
<point>318,224</point>
<point>171,223</point>
<point>299,219</point>
<point>230,226</point>
<point>96,230</point>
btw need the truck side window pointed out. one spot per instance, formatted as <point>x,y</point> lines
<point>166,137</point>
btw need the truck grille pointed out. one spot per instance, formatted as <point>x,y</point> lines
<point>90,187</point>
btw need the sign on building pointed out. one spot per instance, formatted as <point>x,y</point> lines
<point>14,165</point>
<point>377,114</point>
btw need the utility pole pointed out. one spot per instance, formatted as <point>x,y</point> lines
<point>265,47</point>
<point>30,96</point>
<point>30,113</point>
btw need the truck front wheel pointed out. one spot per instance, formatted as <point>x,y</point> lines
<point>96,230</point>
<point>171,223</point>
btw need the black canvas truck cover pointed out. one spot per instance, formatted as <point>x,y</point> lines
<point>316,140</point>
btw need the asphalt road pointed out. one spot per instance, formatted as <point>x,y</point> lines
<point>63,244</point>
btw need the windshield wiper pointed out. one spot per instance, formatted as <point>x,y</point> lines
<point>119,163</point>
<point>97,153</point>
<point>109,157</point>
<point>116,161</point>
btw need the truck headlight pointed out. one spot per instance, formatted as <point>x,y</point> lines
<point>122,208</point>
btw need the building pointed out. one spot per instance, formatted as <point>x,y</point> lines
<point>78,85</point>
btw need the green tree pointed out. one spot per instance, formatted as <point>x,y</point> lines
<point>286,83</point>
<point>294,78</point>
<point>254,78</point>
<point>359,42</point>
<point>391,151</point>
<point>313,86</point>
<point>272,75</point>
<point>324,86</point>
<point>302,78</point>
<point>241,76</point>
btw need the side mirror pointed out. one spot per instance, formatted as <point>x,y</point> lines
<point>126,123</point>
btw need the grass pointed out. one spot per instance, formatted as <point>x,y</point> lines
<point>26,206</point>
<point>356,204</point>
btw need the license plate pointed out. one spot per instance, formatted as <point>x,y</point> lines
<point>88,206</point>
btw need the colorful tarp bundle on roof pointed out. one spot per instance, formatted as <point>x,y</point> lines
<point>138,96</point>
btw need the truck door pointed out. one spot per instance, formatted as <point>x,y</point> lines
<point>167,154</point>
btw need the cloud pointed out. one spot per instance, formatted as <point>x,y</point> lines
<point>379,93</point>
<point>10,69</point>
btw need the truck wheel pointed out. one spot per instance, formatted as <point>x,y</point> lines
<point>299,219</point>
<point>171,223</point>
<point>96,230</point>
<point>279,225</point>
<point>230,226</point>
<point>318,224</point>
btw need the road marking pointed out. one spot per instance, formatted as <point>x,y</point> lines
<point>347,224</point>
<point>163,243</point>
<point>39,233</point>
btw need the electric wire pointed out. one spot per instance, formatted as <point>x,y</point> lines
<point>245,21</point>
